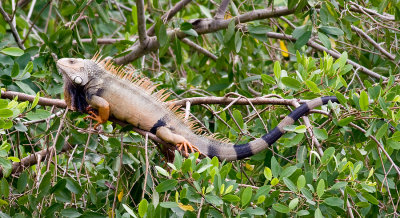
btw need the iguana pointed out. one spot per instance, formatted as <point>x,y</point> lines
<point>96,83</point>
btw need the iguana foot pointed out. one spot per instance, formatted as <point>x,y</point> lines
<point>95,117</point>
<point>187,144</point>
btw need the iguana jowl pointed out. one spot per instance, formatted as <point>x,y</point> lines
<point>98,84</point>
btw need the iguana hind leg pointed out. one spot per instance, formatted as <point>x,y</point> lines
<point>181,142</point>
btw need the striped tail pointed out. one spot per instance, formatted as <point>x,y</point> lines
<point>240,151</point>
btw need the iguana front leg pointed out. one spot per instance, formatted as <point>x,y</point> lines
<point>103,108</point>
<point>181,142</point>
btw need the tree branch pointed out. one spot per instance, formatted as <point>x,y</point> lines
<point>203,26</point>
<point>167,16</point>
<point>12,27</point>
<point>222,10</point>
<point>199,48</point>
<point>372,41</point>
<point>141,23</point>
<point>330,52</point>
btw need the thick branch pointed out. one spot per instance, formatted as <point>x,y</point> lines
<point>25,97</point>
<point>222,9</point>
<point>372,41</point>
<point>199,48</point>
<point>203,26</point>
<point>167,16</point>
<point>141,22</point>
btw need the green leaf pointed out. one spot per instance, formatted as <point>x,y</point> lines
<point>331,30</point>
<point>328,153</point>
<point>267,173</point>
<point>320,188</point>
<point>312,86</point>
<point>12,51</point>
<point>15,70</point>
<point>334,201</point>
<point>370,198</point>
<point>393,144</point>
<point>130,211</point>
<point>345,121</point>
<point>301,182</point>
<point>143,207</point>
<point>293,203</point>
<point>213,200</point>
<point>281,208</point>
<point>291,83</point>
<point>206,11</point>
<point>288,171</point>
<point>275,168</point>
<point>381,131</point>
<point>168,204</point>
<point>162,35</point>
<point>6,165</point>
<point>303,40</point>
<point>318,213</point>
<point>246,196</point>
<point>364,101</point>
<point>22,181</point>
<point>191,32</point>
<point>5,113</point>
<point>238,41</point>
<point>289,184</point>
<point>277,70</point>
<point>267,79</point>
<point>73,186</point>
<point>338,185</point>
<point>325,40</point>
<point>39,114</point>
<point>230,31</point>
<point>70,212</point>
<point>231,198</point>
<point>166,185</point>
<point>162,171</point>
<point>186,26</point>
<point>321,134</point>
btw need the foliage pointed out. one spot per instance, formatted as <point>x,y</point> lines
<point>353,173</point>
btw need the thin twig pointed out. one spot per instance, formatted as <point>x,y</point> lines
<point>199,48</point>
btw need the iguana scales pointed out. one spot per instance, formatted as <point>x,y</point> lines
<point>99,84</point>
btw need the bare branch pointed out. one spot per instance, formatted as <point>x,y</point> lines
<point>167,16</point>
<point>141,22</point>
<point>203,26</point>
<point>199,48</point>
<point>13,28</point>
<point>372,41</point>
<point>222,10</point>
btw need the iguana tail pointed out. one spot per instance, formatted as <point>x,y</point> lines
<point>227,151</point>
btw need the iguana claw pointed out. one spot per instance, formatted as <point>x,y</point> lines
<point>95,117</point>
<point>185,145</point>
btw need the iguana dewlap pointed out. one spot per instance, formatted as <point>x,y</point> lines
<point>100,85</point>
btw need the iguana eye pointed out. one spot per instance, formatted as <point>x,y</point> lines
<point>71,61</point>
<point>78,80</point>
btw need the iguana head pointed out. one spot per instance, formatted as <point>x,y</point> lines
<point>77,70</point>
